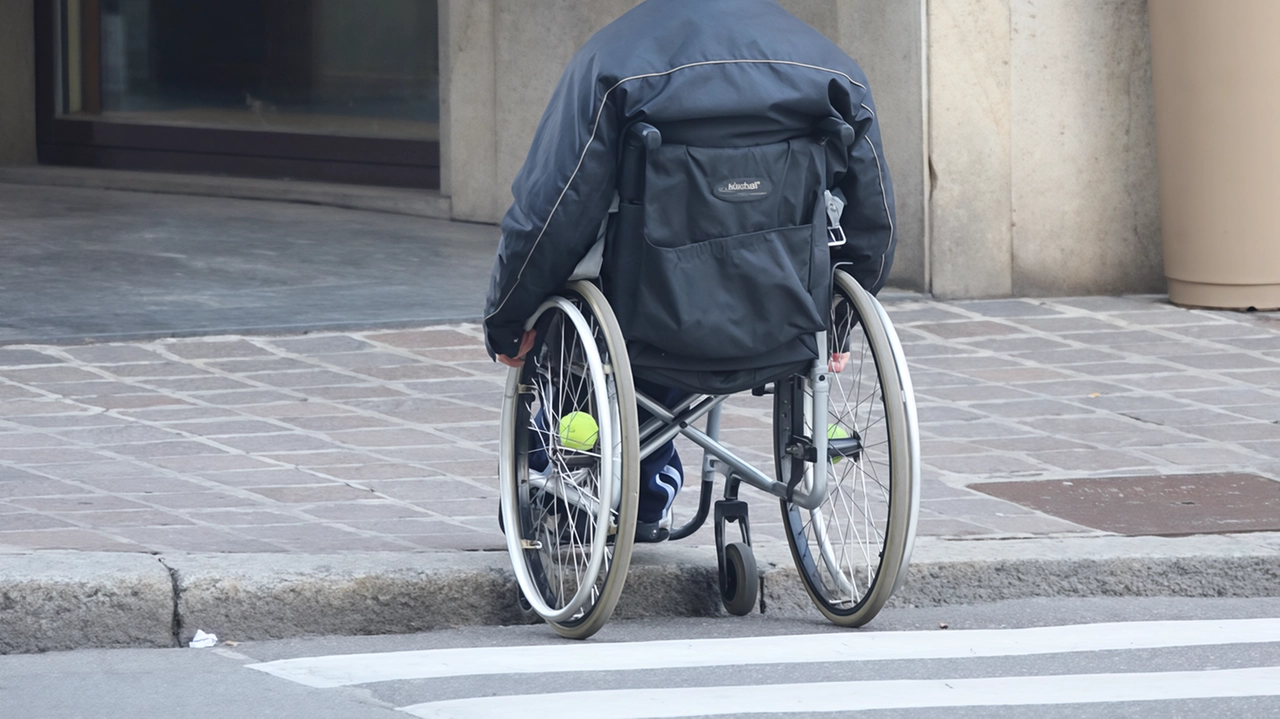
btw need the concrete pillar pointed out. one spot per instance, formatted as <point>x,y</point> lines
<point>17,83</point>
<point>1085,193</point>
<point>821,14</point>
<point>1042,148</point>
<point>535,41</point>
<point>887,40</point>
<point>502,60</point>
<point>468,112</point>
<point>971,239</point>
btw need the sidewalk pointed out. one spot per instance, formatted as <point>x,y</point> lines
<point>345,481</point>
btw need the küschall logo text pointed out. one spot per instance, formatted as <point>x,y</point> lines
<point>743,189</point>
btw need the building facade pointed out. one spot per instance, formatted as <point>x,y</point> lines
<point>1020,133</point>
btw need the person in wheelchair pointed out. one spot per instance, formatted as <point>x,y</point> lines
<point>705,163</point>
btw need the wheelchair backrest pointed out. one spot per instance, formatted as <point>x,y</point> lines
<point>718,254</point>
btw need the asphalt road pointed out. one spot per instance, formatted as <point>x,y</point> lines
<point>1042,658</point>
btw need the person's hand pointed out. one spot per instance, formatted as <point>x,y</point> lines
<point>839,360</point>
<point>526,344</point>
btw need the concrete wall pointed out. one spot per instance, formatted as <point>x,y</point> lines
<point>1086,205</point>
<point>887,40</point>
<point>467,114</point>
<point>1020,133</point>
<point>494,94</point>
<point>1042,149</point>
<point>971,238</point>
<point>17,83</point>
<point>552,31</point>
<point>503,59</point>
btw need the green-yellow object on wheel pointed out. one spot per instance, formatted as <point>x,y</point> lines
<point>579,431</point>
<point>835,431</point>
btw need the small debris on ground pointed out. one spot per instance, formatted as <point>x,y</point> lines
<point>202,640</point>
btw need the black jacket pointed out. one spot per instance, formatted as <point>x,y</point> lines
<point>738,76</point>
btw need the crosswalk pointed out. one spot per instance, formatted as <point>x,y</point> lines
<point>815,698</point>
<point>621,660</point>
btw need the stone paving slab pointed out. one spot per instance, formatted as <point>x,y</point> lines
<point>263,469</point>
<point>387,440</point>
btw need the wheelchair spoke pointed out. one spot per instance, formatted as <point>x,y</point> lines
<point>850,532</point>
<point>569,484</point>
<point>571,490</point>
<point>844,547</point>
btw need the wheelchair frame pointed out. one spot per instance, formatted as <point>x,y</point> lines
<point>803,485</point>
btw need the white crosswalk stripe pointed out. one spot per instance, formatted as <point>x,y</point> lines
<point>343,670</point>
<point>864,696</point>
<point>829,649</point>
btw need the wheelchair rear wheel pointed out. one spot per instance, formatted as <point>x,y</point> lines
<point>569,478</point>
<point>852,551</point>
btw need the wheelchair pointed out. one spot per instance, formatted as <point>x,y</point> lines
<point>845,447</point>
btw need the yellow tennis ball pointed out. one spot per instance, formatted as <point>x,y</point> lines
<point>835,431</point>
<point>578,430</point>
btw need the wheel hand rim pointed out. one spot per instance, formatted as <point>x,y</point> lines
<point>608,446</point>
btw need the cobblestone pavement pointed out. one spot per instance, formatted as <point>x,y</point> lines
<point>386,440</point>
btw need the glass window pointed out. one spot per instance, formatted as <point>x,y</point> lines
<point>365,68</point>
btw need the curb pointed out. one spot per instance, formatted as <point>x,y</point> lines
<point>51,601</point>
<point>68,600</point>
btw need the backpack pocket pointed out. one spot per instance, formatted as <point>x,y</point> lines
<point>729,297</point>
<point>698,194</point>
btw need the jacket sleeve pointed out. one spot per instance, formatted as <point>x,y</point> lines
<point>562,194</point>
<point>868,220</point>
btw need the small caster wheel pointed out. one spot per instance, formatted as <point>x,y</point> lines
<point>740,585</point>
